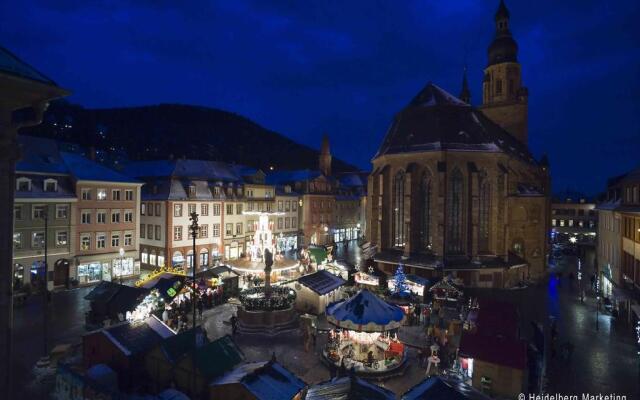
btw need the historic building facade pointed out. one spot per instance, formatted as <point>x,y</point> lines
<point>574,218</point>
<point>330,205</point>
<point>454,188</point>
<point>91,212</point>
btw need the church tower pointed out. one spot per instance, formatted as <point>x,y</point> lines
<point>504,98</point>
<point>465,93</point>
<point>324,162</point>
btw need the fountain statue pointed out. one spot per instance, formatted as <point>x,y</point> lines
<point>268,262</point>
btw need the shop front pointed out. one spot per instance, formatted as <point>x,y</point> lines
<point>607,282</point>
<point>286,243</point>
<point>233,250</point>
<point>106,267</point>
<point>91,272</point>
<point>341,234</point>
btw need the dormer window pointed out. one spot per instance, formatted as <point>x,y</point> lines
<point>23,185</point>
<point>287,189</point>
<point>50,185</point>
<point>216,191</point>
<point>192,191</point>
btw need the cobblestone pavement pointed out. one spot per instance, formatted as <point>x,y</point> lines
<point>289,350</point>
<point>604,360</point>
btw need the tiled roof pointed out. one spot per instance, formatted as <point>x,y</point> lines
<point>348,388</point>
<point>499,350</point>
<point>84,169</point>
<point>64,190</point>
<point>139,338</point>
<point>321,282</point>
<point>265,380</point>
<point>439,388</point>
<point>176,347</point>
<point>40,155</point>
<point>436,120</point>
<point>283,177</point>
<point>218,357</point>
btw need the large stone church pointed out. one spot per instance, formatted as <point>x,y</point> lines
<point>454,189</point>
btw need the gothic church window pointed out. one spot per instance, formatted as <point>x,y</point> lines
<point>425,212</point>
<point>484,219</point>
<point>455,217</point>
<point>398,210</point>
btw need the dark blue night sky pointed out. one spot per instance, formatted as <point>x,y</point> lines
<point>307,67</point>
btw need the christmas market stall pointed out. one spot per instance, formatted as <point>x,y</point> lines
<point>415,284</point>
<point>315,291</point>
<point>365,337</point>
<point>370,278</point>
<point>110,302</point>
<point>446,292</point>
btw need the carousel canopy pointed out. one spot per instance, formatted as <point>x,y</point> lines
<point>365,312</point>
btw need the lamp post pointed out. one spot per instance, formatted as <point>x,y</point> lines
<point>44,361</point>
<point>597,299</point>
<point>121,263</point>
<point>194,234</point>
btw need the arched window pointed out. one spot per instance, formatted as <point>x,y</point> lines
<point>425,212</point>
<point>484,217</point>
<point>455,217</point>
<point>398,210</point>
<point>204,257</point>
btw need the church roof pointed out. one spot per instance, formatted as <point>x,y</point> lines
<point>435,120</point>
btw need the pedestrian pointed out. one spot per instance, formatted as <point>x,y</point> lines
<point>165,316</point>
<point>200,306</point>
<point>234,324</point>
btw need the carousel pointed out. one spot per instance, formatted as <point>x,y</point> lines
<point>365,337</point>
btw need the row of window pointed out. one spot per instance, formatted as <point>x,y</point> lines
<point>38,211</point>
<point>321,204</point>
<point>152,259</point>
<point>118,239</point>
<point>86,216</point>
<point>151,209</point>
<point>571,223</point>
<point>217,190</point>
<point>287,205</point>
<point>631,228</point>
<point>151,232</point>
<point>572,212</point>
<point>631,195</point>
<point>37,239</point>
<point>101,194</point>
<point>25,185</point>
<point>204,209</point>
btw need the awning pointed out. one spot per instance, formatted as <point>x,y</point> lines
<point>318,254</point>
<point>636,310</point>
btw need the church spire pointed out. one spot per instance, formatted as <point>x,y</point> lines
<point>465,93</point>
<point>324,162</point>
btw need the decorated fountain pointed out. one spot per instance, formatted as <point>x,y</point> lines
<point>267,310</point>
<point>252,266</point>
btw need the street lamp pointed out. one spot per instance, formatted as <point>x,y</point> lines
<point>45,292</point>
<point>597,298</point>
<point>194,234</point>
<point>121,263</point>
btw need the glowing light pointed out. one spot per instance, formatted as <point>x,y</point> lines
<point>573,239</point>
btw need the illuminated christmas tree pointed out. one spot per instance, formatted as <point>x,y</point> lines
<point>401,288</point>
